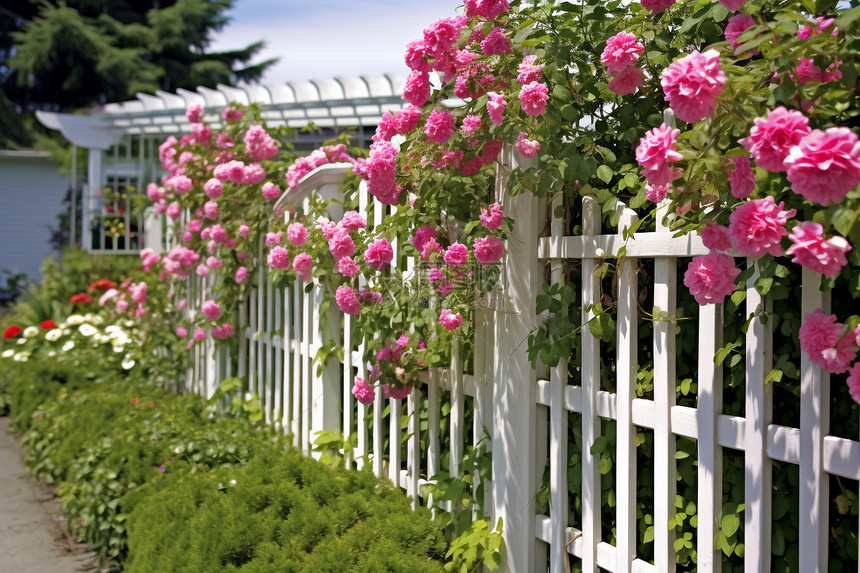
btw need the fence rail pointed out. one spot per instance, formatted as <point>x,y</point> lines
<point>526,411</point>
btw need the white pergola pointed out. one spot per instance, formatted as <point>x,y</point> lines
<point>122,138</point>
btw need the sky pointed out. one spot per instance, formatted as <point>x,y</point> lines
<point>321,39</point>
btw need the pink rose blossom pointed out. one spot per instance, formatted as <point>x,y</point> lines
<point>491,151</point>
<point>379,170</point>
<point>199,334</point>
<point>213,188</point>
<point>202,270</point>
<point>534,97</point>
<point>210,209</point>
<point>692,84</point>
<point>379,255</point>
<point>496,105</point>
<point>395,393</point>
<point>821,24</point>
<point>772,138</point>
<point>732,5</point>
<point>440,126</point>
<point>471,167</point>
<point>218,234</point>
<point>341,244</point>
<point>456,255</point>
<point>527,147</point>
<point>363,392</point>
<point>854,382</point>
<point>813,252</point>
<point>493,218</point>
<point>181,331</point>
<point>627,81</point>
<point>416,56</point>
<point>470,124</point>
<point>656,193</point>
<point>857,335</point>
<point>194,113</point>
<point>445,287</point>
<point>450,320</point>
<point>758,226</point>
<point>352,221</point>
<point>715,237</point>
<point>232,114</point>
<point>214,263</point>
<point>489,9</point>
<point>496,43</point>
<point>274,238</point>
<point>258,144</point>
<point>347,267</point>
<point>737,25</point>
<point>297,234</point>
<point>622,50</point>
<point>825,165</point>
<point>821,337</point>
<point>303,265</point>
<point>435,275</point>
<point>211,310</point>
<point>741,178</point>
<point>366,295</point>
<point>222,331</point>
<point>417,88</point>
<point>422,235</point>
<point>347,301</point>
<point>252,174</point>
<point>173,210</point>
<point>242,275</point>
<point>711,277</point>
<point>654,153</point>
<point>657,6</point>
<point>529,72</point>
<point>440,36</point>
<point>270,191</point>
<point>279,258</point>
<point>488,250</point>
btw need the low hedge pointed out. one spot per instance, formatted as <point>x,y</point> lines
<point>200,490</point>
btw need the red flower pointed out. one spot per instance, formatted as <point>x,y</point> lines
<point>49,324</point>
<point>12,331</point>
<point>135,400</point>
<point>81,298</point>
<point>102,284</point>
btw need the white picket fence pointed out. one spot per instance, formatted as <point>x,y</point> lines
<point>526,411</point>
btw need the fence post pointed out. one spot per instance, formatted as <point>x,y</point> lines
<point>514,396</point>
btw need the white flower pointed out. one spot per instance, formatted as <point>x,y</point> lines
<point>7,353</point>
<point>68,345</point>
<point>22,341</point>
<point>75,320</point>
<point>53,335</point>
<point>118,349</point>
<point>87,329</point>
<point>51,354</point>
<point>21,357</point>
<point>30,332</point>
<point>128,363</point>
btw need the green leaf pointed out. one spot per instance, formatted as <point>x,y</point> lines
<point>729,524</point>
<point>604,173</point>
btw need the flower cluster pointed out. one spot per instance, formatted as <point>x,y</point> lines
<point>620,56</point>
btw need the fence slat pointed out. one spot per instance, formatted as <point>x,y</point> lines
<point>298,380</point>
<point>394,437</point>
<point>288,382</point>
<point>413,447</point>
<point>665,273</point>
<point>591,489</point>
<point>433,415</point>
<point>627,367</point>
<point>814,425</point>
<point>758,411</point>
<point>710,466</point>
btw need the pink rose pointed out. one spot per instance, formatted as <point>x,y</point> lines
<point>489,9</point>
<point>347,267</point>
<point>737,25</point>
<point>395,393</point>
<point>440,126</point>
<point>379,255</point>
<point>825,165</point>
<point>210,209</point>
<point>533,97</point>
<point>488,250</point>
<point>711,277</point>
<point>627,81</point>
<point>733,5</point>
<point>297,234</point>
<point>341,244</point>
<point>822,339</point>
<point>199,334</point>
<point>252,174</point>
<point>440,36</point>
<point>181,331</point>
<point>622,50</point>
<point>211,310</point>
<point>741,178</point>
<point>854,382</point>
<point>363,392</point>
<point>715,237</point>
<point>657,6</point>
<point>450,320</point>
<point>222,331</point>
<point>347,301</point>
<point>278,258</point>
<point>194,113</point>
<point>232,114</point>
<point>270,191</point>
<point>242,275</point>
<point>758,226</point>
<point>692,84</point>
<point>416,56</point>
<point>656,193</point>
<point>528,71</point>
<point>470,124</point>
<point>813,252</point>
<point>491,151</point>
<point>654,153</point>
<point>772,138</point>
<point>493,218</point>
<point>496,43</point>
<point>213,188</point>
<point>417,88</point>
<point>352,221</point>
<point>456,255</point>
<point>496,105</point>
<point>303,265</point>
<point>258,144</point>
<point>173,210</point>
<point>527,147</point>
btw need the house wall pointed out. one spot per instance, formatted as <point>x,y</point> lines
<point>31,195</point>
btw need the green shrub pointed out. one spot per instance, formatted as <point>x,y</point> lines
<point>280,512</point>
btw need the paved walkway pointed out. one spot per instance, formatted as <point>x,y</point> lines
<point>32,537</point>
